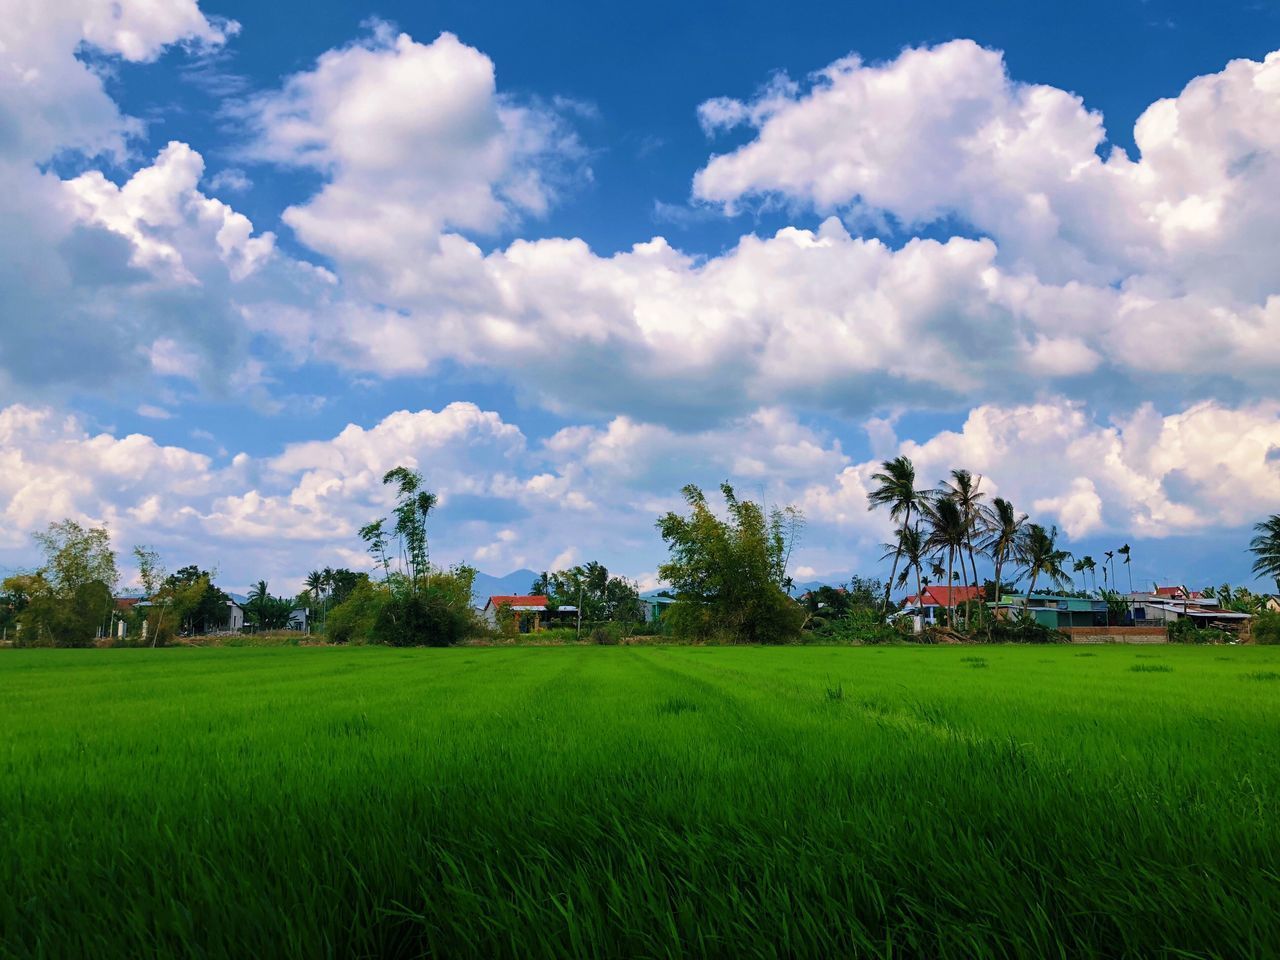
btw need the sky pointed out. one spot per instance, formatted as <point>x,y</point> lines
<point>565,258</point>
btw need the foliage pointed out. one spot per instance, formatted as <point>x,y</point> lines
<point>413,504</point>
<point>1022,629</point>
<point>1266,628</point>
<point>437,614</point>
<point>1184,630</point>
<point>1040,556</point>
<point>67,602</point>
<point>429,617</point>
<point>1119,609</point>
<point>325,589</point>
<point>355,617</point>
<point>1265,547</point>
<point>265,612</point>
<point>590,588</point>
<point>12,602</point>
<point>895,488</point>
<point>728,574</point>
<point>75,556</point>
<point>860,625</point>
<point>194,602</point>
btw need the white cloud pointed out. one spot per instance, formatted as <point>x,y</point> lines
<point>944,131</point>
<point>51,99</point>
<point>415,140</point>
<point>506,502</point>
<point>1147,474</point>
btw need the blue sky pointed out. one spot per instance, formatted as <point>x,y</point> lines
<point>245,236</point>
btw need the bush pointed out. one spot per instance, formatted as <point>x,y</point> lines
<point>1185,631</point>
<point>1020,630</point>
<point>1266,628</point>
<point>355,617</point>
<point>429,617</point>
<point>862,625</point>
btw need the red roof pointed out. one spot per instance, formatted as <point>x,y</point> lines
<point>943,596</point>
<point>1178,593</point>
<point>531,601</point>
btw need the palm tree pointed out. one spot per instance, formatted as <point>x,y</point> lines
<point>1004,536</point>
<point>947,531</point>
<point>896,489</point>
<point>964,490</point>
<point>259,592</point>
<point>1124,552</point>
<point>1042,558</point>
<point>1077,567</point>
<point>910,546</point>
<point>1108,557</point>
<point>1091,565</point>
<point>315,584</point>
<point>1265,548</point>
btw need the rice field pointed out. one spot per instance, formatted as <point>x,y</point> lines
<point>640,801</point>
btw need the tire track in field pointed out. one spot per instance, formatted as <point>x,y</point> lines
<point>874,712</point>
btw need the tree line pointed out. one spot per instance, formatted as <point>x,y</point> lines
<point>727,575</point>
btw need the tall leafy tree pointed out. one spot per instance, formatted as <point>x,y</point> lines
<point>896,489</point>
<point>75,556</point>
<point>1091,566</point>
<point>966,490</point>
<point>1265,547</point>
<point>728,572</point>
<point>1004,536</point>
<point>1125,552</point>
<point>413,504</point>
<point>947,533</point>
<point>910,546</point>
<point>1042,557</point>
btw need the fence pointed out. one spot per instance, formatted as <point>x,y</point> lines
<point>1146,634</point>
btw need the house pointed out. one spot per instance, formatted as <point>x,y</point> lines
<point>935,598</point>
<point>652,608</point>
<point>1164,607</point>
<point>236,603</point>
<point>1175,593</point>
<point>1057,612</point>
<point>531,610</point>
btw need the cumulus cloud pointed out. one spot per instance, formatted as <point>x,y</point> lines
<point>945,131</point>
<point>1147,474</point>
<point>51,99</point>
<point>595,491</point>
<point>93,274</point>
<point>414,140</point>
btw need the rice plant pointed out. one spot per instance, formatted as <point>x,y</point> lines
<point>636,801</point>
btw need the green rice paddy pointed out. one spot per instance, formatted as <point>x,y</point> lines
<point>640,801</point>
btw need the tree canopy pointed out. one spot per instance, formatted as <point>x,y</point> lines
<point>728,573</point>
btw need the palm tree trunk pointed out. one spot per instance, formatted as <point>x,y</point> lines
<point>951,595</point>
<point>897,555</point>
<point>995,613</point>
<point>919,593</point>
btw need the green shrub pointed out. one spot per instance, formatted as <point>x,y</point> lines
<point>355,617</point>
<point>1020,630</point>
<point>1185,631</point>
<point>1266,628</point>
<point>426,618</point>
<point>861,625</point>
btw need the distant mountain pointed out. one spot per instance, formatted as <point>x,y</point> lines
<point>797,590</point>
<point>514,584</point>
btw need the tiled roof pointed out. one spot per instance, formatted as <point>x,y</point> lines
<point>942,596</point>
<point>530,601</point>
